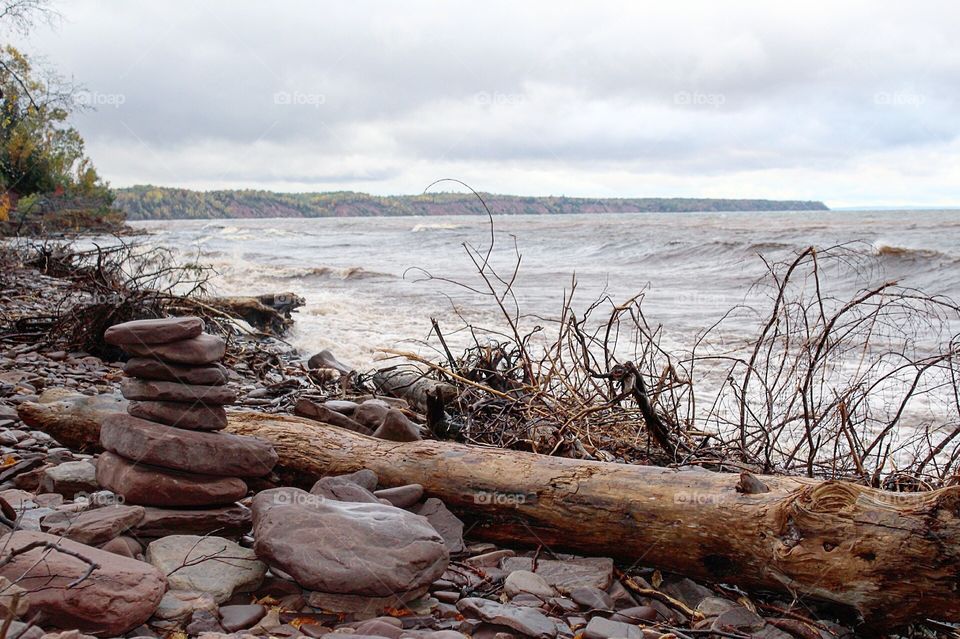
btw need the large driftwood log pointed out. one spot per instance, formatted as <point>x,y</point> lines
<point>892,557</point>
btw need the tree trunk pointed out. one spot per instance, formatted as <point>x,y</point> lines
<point>892,557</point>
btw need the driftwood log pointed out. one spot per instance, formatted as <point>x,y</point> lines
<point>892,557</point>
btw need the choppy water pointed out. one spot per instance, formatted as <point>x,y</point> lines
<point>365,290</point>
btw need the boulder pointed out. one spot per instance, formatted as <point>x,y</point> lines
<point>153,486</point>
<point>119,595</point>
<point>214,565</point>
<point>197,351</point>
<point>159,391</point>
<point>154,331</point>
<point>346,548</point>
<point>146,368</point>
<point>187,450</point>
<point>188,415</point>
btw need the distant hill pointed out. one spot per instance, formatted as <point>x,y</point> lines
<point>160,203</point>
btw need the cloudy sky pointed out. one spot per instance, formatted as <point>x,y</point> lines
<point>854,103</point>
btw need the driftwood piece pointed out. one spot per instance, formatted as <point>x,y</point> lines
<point>269,313</point>
<point>414,387</point>
<point>892,557</point>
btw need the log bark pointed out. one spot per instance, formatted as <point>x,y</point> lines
<point>892,557</point>
<point>414,387</point>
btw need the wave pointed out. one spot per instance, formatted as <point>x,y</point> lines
<point>439,226</point>
<point>328,272</point>
<point>882,249</point>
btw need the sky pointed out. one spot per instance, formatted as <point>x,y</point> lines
<point>853,103</point>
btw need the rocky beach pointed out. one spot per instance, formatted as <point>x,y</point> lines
<point>169,527</point>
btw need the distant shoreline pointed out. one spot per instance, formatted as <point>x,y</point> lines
<point>161,203</point>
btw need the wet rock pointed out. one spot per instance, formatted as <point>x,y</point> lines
<point>687,591</point>
<point>235,618</point>
<point>158,391</point>
<point>524,581</point>
<point>444,522</point>
<point>197,351</point>
<point>397,428</point>
<point>565,575</point>
<point>346,548</point>
<point>365,478</point>
<point>213,565</point>
<point>192,416</point>
<point>401,496</point>
<point>119,595</point>
<point>145,368</point>
<point>371,413</point>
<point>70,478</point>
<point>159,522</point>
<point>191,451</point>
<point>527,621</point>
<point>326,359</point>
<point>154,331</point>
<point>715,606</point>
<point>341,406</point>
<point>600,628</point>
<point>153,486</point>
<point>93,527</point>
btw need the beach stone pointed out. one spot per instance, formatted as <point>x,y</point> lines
<point>234,618</point>
<point>93,527</point>
<point>395,427</point>
<point>70,478</point>
<point>148,368</point>
<point>524,581</point>
<point>528,621</point>
<point>326,359</point>
<point>153,486</point>
<point>365,478</point>
<point>321,413</point>
<point>600,628</point>
<point>341,489</point>
<point>444,522</point>
<point>637,613</point>
<point>567,574</point>
<point>378,628</point>
<point>187,450</point>
<point>118,596</point>
<point>203,621</point>
<point>191,416</point>
<point>124,545</point>
<point>344,406</point>
<point>160,391</point>
<point>179,605</point>
<point>160,522</point>
<point>401,496</point>
<point>21,630</point>
<point>7,592</point>
<point>347,548</point>
<point>591,598</point>
<point>197,351</point>
<point>371,413</point>
<point>154,331</point>
<point>739,619</point>
<point>213,565</point>
<point>687,590</point>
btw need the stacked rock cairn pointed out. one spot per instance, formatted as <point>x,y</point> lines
<point>167,450</point>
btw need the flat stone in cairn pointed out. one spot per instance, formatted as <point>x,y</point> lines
<point>196,351</point>
<point>181,414</point>
<point>192,451</point>
<point>152,486</point>
<point>154,331</point>
<point>155,391</point>
<point>146,368</point>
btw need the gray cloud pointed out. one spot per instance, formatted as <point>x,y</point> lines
<point>826,100</point>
